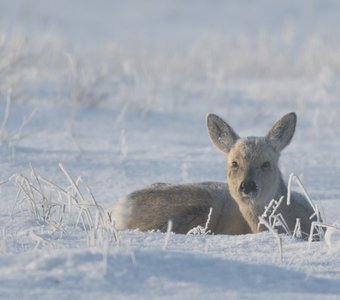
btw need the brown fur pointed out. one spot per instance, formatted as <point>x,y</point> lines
<point>187,206</point>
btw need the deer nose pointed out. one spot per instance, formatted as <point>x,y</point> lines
<point>248,186</point>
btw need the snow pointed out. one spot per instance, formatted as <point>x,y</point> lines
<point>118,92</point>
<point>153,274</point>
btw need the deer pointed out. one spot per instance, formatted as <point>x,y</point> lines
<point>233,207</point>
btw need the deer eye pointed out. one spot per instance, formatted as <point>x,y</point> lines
<point>234,164</point>
<point>266,165</point>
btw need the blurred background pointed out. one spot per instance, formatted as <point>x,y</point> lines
<point>172,54</point>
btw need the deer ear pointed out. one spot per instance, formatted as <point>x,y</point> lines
<point>221,134</point>
<point>282,131</point>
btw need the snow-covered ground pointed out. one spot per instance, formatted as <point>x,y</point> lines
<point>116,93</point>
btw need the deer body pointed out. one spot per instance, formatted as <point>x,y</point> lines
<point>254,179</point>
<point>186,205</point>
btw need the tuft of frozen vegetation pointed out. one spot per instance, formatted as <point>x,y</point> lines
<point>200,229</point>
<point>117,92</point>
<point>58,210</point>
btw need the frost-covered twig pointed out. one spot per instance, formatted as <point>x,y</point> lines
<point>275,220</point>
<point>73,183</point>
<point>316,212</point>
<point>199,230</point>
<point>167,236</point>
<point>297,229</point>
<point>273,231</point>
<point>317,226</point>
<point>292,177</point>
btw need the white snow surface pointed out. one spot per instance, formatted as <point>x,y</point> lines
<point>116,92</point>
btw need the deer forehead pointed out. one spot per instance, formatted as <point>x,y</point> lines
<point>253,150</point>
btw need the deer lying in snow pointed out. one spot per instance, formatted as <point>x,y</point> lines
<point>254,179</point>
